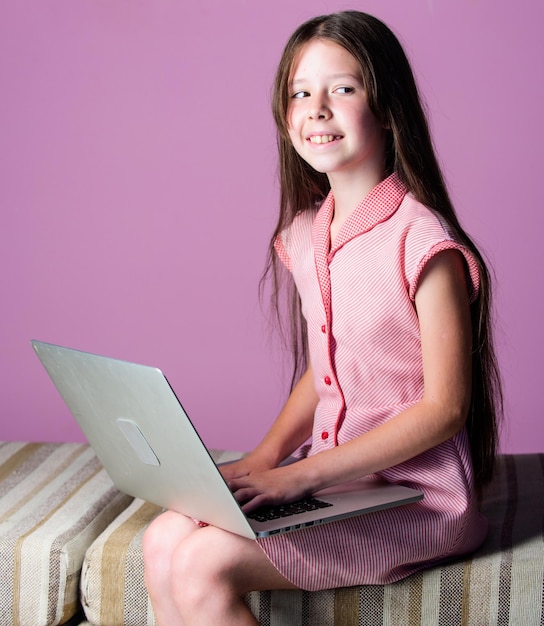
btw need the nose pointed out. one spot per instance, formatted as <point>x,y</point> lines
<point>319,110</point>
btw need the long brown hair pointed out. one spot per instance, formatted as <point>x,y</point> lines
<point>394,99</point>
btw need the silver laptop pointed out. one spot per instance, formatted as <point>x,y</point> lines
<point>149,447</point>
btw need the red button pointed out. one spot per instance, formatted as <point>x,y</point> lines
<point>327,380</point>
<point>324,435</point>
<point>323,329</point>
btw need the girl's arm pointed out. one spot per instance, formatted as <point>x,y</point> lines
<point>444,316</point>
<point>291,429</point>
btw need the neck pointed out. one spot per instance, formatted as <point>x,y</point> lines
<point>348,192</point>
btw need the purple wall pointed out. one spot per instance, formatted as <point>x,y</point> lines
<point>138,191</point>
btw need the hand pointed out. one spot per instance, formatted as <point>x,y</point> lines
<point>275,486</point>
<point>247,465</point>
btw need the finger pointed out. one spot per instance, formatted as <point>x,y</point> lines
<point>239,482</point>
<point>245,495</point>
<point>230,473</point>
<point>255,503</point>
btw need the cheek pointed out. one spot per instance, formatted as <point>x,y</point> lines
<point>294,118</point>
<point>293,129</point>
<point>291,132</point>
<point>371,123</point>
<point>296,141</point>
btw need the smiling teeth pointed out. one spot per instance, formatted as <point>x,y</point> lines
<point>322,138</point>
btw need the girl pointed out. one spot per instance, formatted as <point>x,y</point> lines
<point>392,304</point>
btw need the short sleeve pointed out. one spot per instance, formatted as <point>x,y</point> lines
<point>471,264</point>
<point>281,251</point>
<point>295,241</point>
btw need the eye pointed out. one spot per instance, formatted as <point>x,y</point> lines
<point>344,90</point>
<point>300,94</point>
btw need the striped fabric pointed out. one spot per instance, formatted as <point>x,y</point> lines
<point>112,580</point>
<point>363,330</point>
<point>55,499</point>
<point>364,340</point>
<point>502,585</point>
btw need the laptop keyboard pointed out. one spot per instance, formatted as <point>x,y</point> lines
<point>268,513</point>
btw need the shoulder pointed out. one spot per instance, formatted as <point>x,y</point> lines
<point>418,219</point>
<point>426,234</point>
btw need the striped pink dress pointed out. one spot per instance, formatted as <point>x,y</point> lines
<point>358,300</point>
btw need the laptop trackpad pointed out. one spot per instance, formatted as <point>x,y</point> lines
<point>137,440</point>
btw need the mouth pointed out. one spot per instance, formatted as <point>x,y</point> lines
<point>319,139</point>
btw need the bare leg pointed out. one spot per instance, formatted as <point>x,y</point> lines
<point>161,540</point>
<point>200,575</point>
<point>213,570</point>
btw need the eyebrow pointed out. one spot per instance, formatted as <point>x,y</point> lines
<point>354,77</point>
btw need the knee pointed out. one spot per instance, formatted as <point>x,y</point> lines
<point>198,569</point>
<point>151,540</point>
<point>190,562</point>
<point>159,542</point>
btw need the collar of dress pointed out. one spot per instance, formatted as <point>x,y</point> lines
<point>382,202</point>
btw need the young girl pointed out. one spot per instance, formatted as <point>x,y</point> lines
<point>400,379</point>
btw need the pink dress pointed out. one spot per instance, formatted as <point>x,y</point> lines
<point>365,350</point>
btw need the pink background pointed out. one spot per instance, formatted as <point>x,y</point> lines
<point>138,191</point>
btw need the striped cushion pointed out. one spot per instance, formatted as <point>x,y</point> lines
<point>501,584</point>
<point>112,579</point>
<point>55,499</point>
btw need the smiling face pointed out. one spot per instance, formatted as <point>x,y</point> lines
<point>329,121</point>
